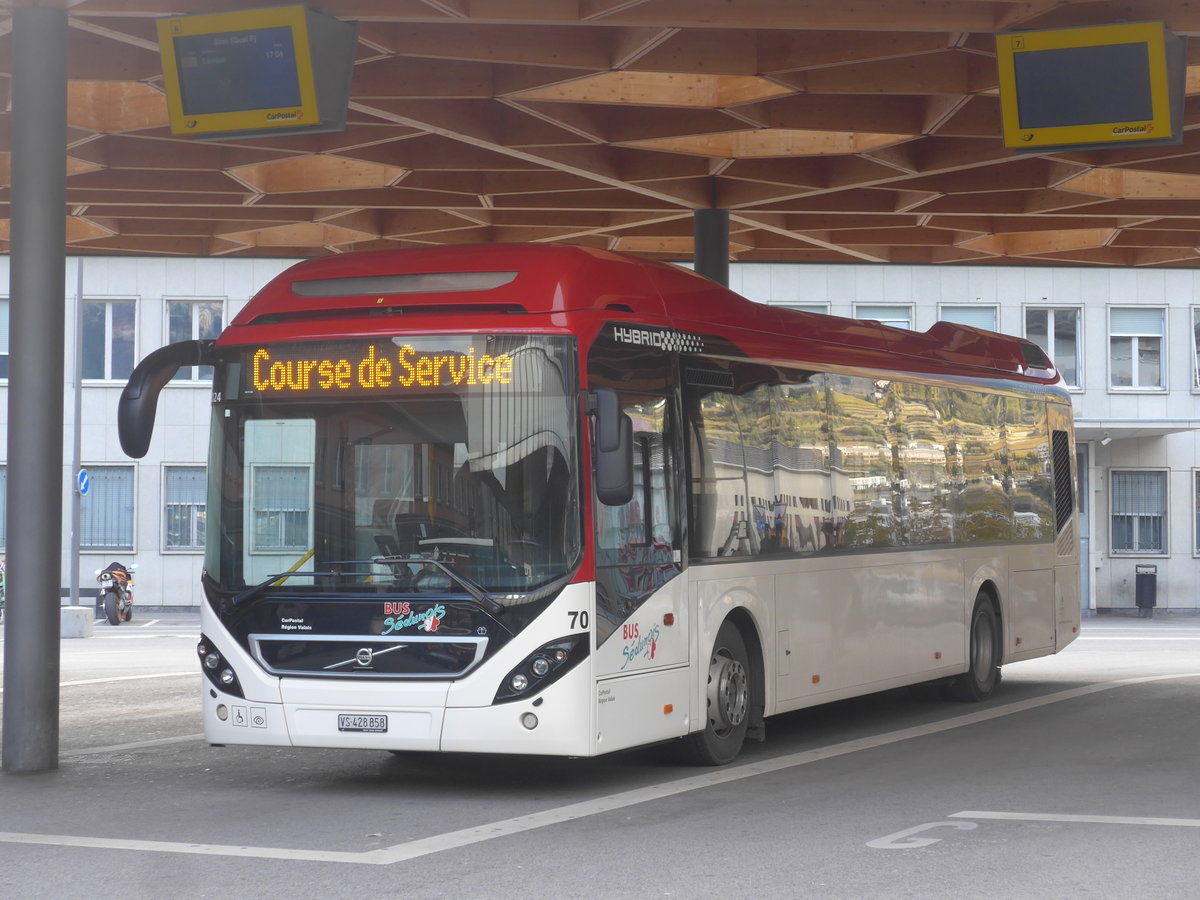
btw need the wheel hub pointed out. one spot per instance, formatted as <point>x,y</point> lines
<point>728,693</point>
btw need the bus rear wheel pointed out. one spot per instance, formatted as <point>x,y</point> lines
<point>728,702</point>
<point>983,675</point>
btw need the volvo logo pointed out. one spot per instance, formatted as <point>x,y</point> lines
<point>363,658</point>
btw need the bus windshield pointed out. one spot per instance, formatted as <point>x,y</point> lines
<point>416,464</point>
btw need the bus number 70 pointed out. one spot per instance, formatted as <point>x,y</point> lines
<point>579,618</point>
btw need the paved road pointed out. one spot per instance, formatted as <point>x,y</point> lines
<point>1079,779</point>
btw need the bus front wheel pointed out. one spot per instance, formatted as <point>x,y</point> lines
<point>981,679</point>
<point>728,702</point>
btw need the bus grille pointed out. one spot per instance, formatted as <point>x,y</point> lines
<point>367,656</point>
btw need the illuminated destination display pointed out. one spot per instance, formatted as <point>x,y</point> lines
<point>369,368</point>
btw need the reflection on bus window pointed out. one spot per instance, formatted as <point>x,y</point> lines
<point>635,543</point>
<point>803,463</point>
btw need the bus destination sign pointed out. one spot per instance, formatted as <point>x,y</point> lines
<point>299,370</point>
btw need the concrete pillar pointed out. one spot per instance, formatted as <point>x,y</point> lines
<point>37,290</point>
<point>710,228</point>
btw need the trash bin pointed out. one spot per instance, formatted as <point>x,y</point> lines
<point>1146,590</point>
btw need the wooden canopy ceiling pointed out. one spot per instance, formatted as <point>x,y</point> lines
<point>832,131</point>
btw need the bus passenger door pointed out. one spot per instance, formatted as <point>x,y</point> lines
<point>641,604</point>
<point>1069,563</point>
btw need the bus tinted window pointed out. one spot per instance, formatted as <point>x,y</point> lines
<point>834,462</point>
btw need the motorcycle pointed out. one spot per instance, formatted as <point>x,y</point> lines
<point>116,592</point>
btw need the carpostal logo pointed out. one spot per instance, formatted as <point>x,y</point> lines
<point>1133,129</point>
<point>284,116</point>
<point>666,339</point>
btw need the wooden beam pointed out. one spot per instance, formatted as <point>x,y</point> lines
<point>539,45</point>
<point>1131,184</point>
<point>943,72</point>
<point>1035,242</point>
<point>795,51</point>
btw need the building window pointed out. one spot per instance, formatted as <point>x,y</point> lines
<point>1195,349</point>
<point>106,510</point>
<point>3,338</point>
<point>1135,355</point>
<point>108,333</point>
<point>1139,512</point>
<point>889,314</point>
<point>189,320</point>
<point>280,508</point>
<point>184,506</point>
<point>976,316</point>
<point>821,309</point>
<point>1056,331</point>
<point>1196,512</point>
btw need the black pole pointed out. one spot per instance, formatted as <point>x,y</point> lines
<point>37,291</point>
<point>710,229</point>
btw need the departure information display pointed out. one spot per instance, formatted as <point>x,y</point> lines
<point>237,70</point>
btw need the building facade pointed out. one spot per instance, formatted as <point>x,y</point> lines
<point>1126,340</point>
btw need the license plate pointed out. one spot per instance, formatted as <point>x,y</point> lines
<point>353,722</point>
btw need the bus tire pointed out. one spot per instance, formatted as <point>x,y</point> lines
<point>983,673</point>
<point>728,702</point>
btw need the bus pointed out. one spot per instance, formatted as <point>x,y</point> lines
<point>556,500</point>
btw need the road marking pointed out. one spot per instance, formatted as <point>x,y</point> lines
<point>126,636</point>
<point>904,840</point>
<point>1140,637</point>
<point>168,847</point>
<point>148,624</point>
<point>115,678</point>
<point>584,809</point>
<point>135,745</point>
<point>1066,817</point>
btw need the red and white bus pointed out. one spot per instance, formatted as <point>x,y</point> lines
<point>553,500</point>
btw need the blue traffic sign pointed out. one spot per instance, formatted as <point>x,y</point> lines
<point>84,482</point>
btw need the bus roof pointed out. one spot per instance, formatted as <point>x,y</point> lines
<point>484,280</point>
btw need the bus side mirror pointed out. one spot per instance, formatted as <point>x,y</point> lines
<point>139,400</point>
<point>613,456</point>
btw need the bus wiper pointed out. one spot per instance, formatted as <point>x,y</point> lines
<point>478,594</point>
<point>481,596</point>
<point>254,590</point>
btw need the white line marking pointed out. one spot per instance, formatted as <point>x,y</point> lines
<point>148,624</point>
<point>135,745</point>
<point>12,837</point>
<point>126,636</point>
<point>1140,637</point>
<point>1066,817</point>
<point>467,836</point>
<point>906,840</point>
<point>116,678</point>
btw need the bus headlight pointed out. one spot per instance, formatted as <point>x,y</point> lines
<point>217,669</point>
<point>543,667</point>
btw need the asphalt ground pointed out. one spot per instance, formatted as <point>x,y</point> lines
<point>1078,779</point>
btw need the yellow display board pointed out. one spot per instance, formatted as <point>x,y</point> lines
<point>1087,87</point>
<point>282,69</point>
